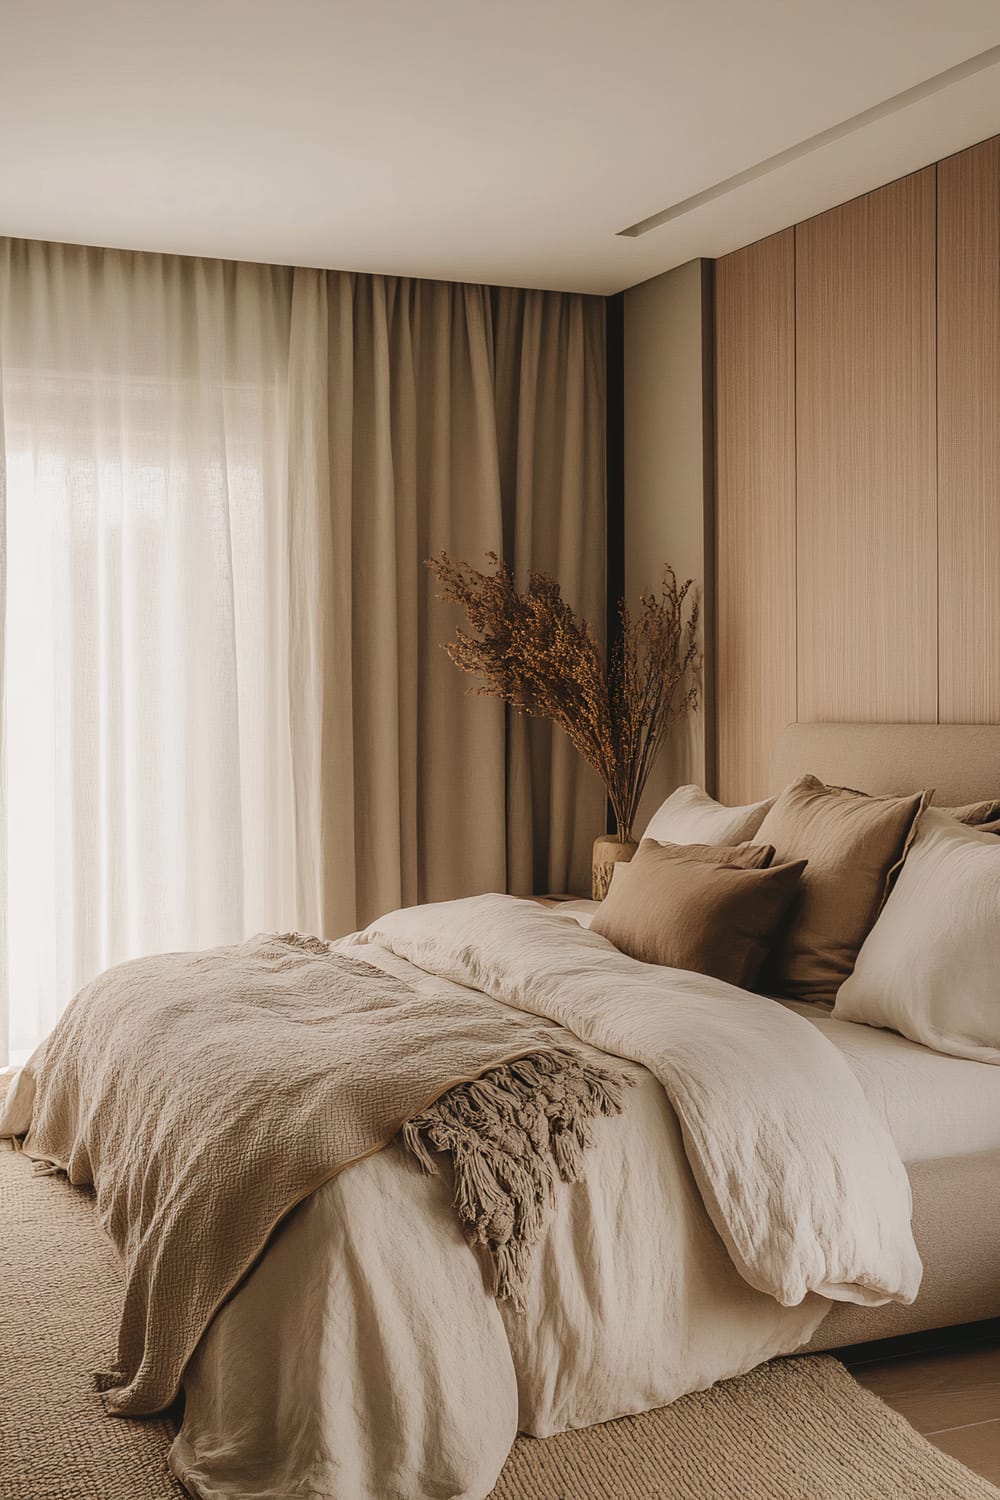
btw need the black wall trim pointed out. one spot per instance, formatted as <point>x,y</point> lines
<point>708,513</point>
<point>614,438</point>
<point>615,455</point>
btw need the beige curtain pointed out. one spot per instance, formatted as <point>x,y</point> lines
<point>550,404</point>
<point>227,707</point>
<point>436,416</point>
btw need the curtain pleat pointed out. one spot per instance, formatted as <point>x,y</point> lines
<point>550,401</point>
<point>227,708</point>
<point>415,804</point>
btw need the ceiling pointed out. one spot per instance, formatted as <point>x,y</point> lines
<point>503,141</point>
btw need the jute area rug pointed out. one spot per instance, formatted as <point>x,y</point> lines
<point>798,1429</point>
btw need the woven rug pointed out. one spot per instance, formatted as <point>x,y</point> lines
<point>798,1429</point>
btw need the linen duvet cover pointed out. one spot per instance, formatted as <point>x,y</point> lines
<point>745,1184</point>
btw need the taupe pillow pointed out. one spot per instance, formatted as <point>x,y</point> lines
<point>715,917</point>
<point>854,845</point>
<point>975,814</point>
<point>749,855</point>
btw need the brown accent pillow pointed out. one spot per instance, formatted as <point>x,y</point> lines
<point>749,856</point>
<point>714,916</point>
<point>854,845</point>
<point>975,814</point>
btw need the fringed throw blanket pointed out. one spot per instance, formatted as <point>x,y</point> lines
<point>204,1095</point>
<point>510,1135</point>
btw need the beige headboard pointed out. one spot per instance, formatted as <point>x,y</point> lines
<point>961,761</point>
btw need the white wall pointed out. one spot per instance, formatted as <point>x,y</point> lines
<point>667,518</point>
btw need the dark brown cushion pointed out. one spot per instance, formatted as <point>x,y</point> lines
<point>715,916</point>
<point>853,845</point>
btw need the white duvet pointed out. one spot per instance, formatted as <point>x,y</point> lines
<point>747,1183</point>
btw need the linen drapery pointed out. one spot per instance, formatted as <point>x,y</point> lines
<point>550,415</point>
<point>226,709</point>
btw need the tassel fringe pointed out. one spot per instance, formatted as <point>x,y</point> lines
<point>510,1135</point>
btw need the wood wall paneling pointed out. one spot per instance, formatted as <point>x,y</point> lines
<point>969,434</point>
<point>866,458</point>
<point>755,510</point>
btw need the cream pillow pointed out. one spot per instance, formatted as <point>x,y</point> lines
<point>930,967</point>
<point>691,816</point>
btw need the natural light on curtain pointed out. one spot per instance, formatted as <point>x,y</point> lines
<point>147,765</point>
<point>227,709</point>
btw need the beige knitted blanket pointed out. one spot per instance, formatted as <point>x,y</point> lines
<point>204,1095</point>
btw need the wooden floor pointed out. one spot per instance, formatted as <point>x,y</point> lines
<point>952,1396</point>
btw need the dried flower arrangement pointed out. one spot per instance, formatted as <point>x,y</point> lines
<point>541,658</point>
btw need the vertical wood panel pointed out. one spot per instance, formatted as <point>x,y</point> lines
<point>969,433</point>
<point>866,457</point>
<point>755,510</point>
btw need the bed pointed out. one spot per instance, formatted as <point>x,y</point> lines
<point>950,1141</point>
<point>363,1356</point>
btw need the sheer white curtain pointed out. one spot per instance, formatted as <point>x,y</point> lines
<point>226,706</point>
<point>147,748</point>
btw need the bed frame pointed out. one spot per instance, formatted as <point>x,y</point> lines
<point>956,1200</point>
<point>960,761</point>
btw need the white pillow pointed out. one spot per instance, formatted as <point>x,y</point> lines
<point>691,816</point>
<point>930,967</point>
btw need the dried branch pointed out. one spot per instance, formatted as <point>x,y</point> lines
<point>537,655</point>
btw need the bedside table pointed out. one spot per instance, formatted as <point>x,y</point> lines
<point>578,907</point>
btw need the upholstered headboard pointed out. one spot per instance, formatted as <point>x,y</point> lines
<point>960,761</point>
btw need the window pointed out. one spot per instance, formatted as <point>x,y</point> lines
<point>147,750</point>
